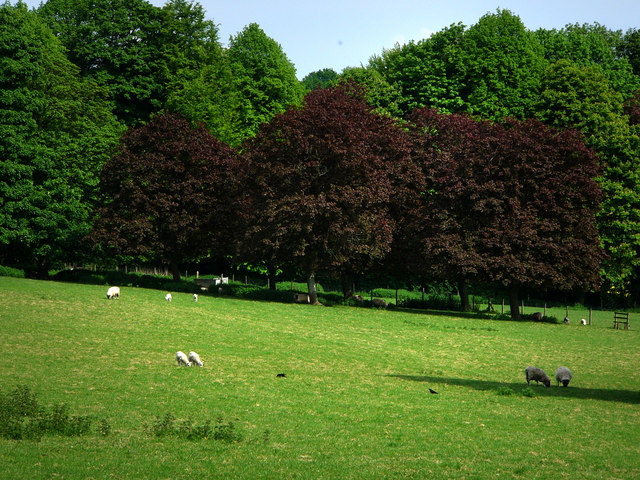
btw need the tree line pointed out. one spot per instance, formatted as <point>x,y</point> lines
<point>488,154</point>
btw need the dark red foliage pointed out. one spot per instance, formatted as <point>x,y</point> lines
<point>325,181</point>
<point>168,193</point>
<point>632,109</point>
<point>512,203</point>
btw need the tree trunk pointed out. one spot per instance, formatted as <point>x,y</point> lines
<point>313,293</point>
<point>463,289</point>
<point>42,271</point>
<point>271,273</point>
<point>513,302</point>
<point>347,285</point>
<point>175,271</point>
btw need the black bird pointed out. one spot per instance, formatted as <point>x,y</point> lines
<point>281,375</point>
<point>431,390</point>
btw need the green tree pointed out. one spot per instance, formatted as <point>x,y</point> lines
<point>319,79</point>
<point>581,97</point>
<point>382,96</point>
<point>428,73</point>
<point>56,131</point>
<point>630,48</point>
<point>118,44</point>
<point>503,67</point>
<point>593,46</point>
<point>264,78</point>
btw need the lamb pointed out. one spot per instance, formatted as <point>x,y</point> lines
<point>182,359</point>
<point>195,297</point>
<point>563,374</point>
<point>113,292</point>
<point>537,374</point>
<point>583,321</point>
<point>167,297</point>
<point>194,358</point>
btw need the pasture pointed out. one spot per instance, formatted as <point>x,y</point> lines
<point>354,403</point>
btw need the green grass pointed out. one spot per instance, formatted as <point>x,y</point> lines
<point>354,402</point>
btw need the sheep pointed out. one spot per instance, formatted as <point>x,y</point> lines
<point>358,298</point>
<point>536,317</point>
<point>168,297</point>
<point>583,321</point>
<point>194,358</point>
<point>563,374</point>
<point>113,292</point>
<point>537,374</point>
<point>182,359</point>
<point>195,297</point>
<point>301,298</point>
<point>379,302</point>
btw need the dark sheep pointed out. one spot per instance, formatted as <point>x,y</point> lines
<point>537,374</point>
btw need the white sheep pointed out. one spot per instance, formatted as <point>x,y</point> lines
<point>113,292</point>
<point>537,374</point>
<point>168,297</point>
<point>182,359</point>
<point>194,358</point>
<point>563,374</point>
<point>583,321</point>
<point>195,297</point>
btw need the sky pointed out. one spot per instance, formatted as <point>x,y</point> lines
<point>318,34</point>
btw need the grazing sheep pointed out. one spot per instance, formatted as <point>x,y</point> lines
<point>537,374</point>
<point>563,374</point>
<point>378,302</point>
<point>113,292</point>
<point>195,297</point>
<point>301,298</point>
<point>168,297</point>
<point>194,358</point>
<point>182,359</point>
<point>583,321</point>
<point>566,320</point>
<point>358,298</point>
<point>536,317</point>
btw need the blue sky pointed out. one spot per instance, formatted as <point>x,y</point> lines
<point>317,34</point>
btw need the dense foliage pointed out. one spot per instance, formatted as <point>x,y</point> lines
<point>167,193</point>
<point>74,74</point>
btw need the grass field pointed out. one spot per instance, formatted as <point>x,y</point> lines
<point>354,403</point>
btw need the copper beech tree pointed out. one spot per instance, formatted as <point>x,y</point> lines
<point>325,181</point>
<point>510,203</point>
<point>168,194</point>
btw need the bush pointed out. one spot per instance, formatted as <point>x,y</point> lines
<point>11,272</point>
<point>21,417</point>
<point>188,430</point>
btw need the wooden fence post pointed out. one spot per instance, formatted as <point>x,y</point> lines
<point>589,315</point>
<point>502,307</point>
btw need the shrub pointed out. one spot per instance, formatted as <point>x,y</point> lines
<point>21,417</point>
<point>11,272</point>
<point>188,430</point>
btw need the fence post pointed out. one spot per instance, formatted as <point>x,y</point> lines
<point>589,315</point>
<point>502,312</point>
<point>522,308</point>
<point>545,310</point>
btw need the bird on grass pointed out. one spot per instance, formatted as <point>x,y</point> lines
<point>281,375</point>
<point>431,390</point>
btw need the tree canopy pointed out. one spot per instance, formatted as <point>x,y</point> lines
<point>57,131</point>
<point>167,194</point>
<point>322,178</point>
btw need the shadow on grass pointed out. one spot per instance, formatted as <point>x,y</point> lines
<point>625,396</point>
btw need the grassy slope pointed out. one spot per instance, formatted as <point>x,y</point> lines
<point>354,404</point>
